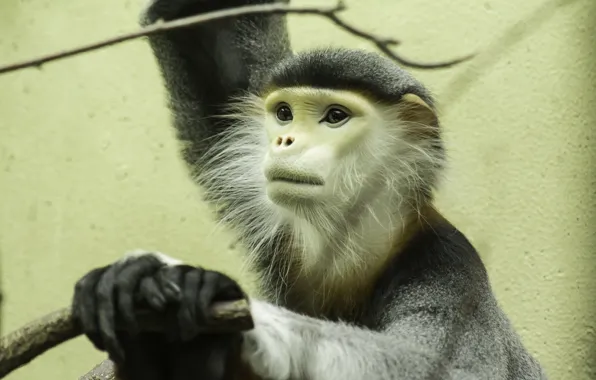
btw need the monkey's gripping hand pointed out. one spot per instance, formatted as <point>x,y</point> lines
<point>107,297</point>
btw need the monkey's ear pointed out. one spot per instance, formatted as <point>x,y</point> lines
<point>419,113</point>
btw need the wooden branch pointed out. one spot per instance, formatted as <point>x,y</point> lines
<point>103,371</point>
<point>383,44</point>
<point>25,344</point>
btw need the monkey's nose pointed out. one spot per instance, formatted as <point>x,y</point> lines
<point>284,141</point>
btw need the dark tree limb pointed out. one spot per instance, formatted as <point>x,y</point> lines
<point>25,344</point>
<point>331,13</point>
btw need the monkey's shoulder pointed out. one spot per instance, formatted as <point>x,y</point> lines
<point>438,248</point>
<point>438,268</point>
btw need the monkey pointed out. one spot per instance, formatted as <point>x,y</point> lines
<point>324,162</point>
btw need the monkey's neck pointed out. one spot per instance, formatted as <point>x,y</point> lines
<point>334,261</point>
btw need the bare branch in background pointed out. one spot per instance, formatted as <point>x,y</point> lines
<point>25,344</point>
<point>331,13</point>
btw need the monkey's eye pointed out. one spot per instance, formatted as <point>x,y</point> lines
<point>336,116</point>
<point>283,113</point>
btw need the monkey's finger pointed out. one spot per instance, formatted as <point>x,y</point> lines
<point>170,279</point>
<point>227,289</point>
<point>187,321</point>
<point>106,313</point>
<point>127,283</point>
<point>84,305</point>
<point>151,292</point>
<point>207,293</point>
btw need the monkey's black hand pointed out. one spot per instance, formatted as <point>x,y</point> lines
<point>107,297</point>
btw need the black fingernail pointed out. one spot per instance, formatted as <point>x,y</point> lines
<point>173,291</point>
<point>158,301</point>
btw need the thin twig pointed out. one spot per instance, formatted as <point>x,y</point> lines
<point>25,344</point>
<point>276,8</point>
<point>384,46</point>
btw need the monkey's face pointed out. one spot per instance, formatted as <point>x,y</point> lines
<point>324,146</point>
<point>320,154</point>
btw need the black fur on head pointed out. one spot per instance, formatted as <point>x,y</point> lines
<point>347,69</point>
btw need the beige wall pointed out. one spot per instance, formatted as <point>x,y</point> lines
<point>89,168</point>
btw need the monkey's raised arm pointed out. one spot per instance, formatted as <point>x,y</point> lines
<point>205,66</point>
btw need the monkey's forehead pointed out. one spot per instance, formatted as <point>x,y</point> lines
<point>347,69</point>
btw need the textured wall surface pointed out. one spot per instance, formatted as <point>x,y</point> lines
<point>89,168</point>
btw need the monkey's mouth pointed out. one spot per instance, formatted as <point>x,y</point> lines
<point>294,178</point>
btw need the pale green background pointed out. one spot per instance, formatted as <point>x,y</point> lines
<point>89,167</point>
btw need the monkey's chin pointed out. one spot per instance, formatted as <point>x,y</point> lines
<point>292,195</point>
